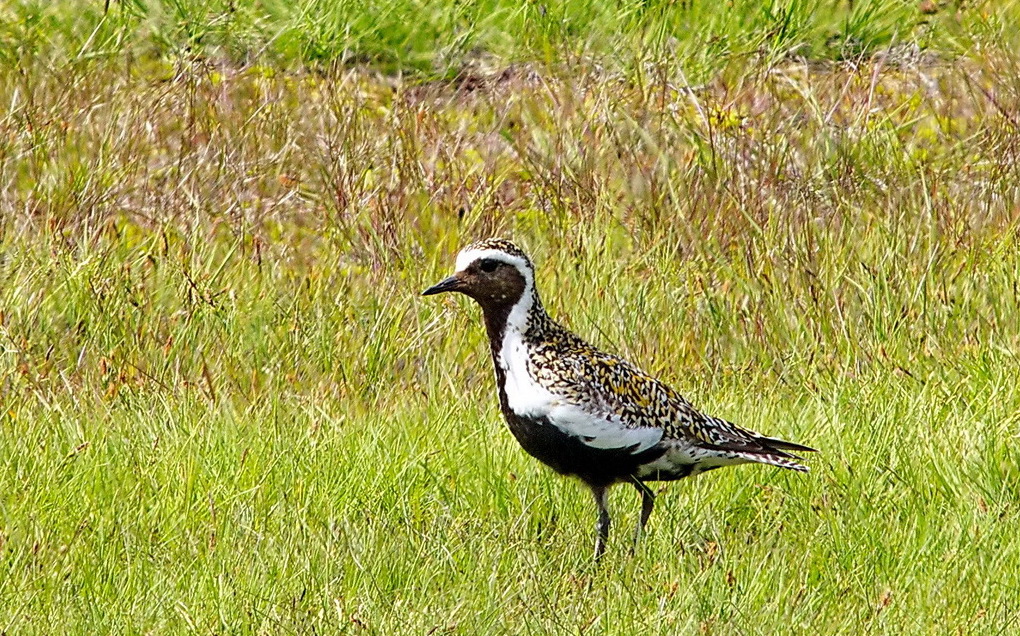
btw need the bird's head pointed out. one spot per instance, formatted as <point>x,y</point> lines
<point>494,272</point>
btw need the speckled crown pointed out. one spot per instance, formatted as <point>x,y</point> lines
<point>500,244</point>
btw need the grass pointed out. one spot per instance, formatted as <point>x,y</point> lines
<point>442,38</point>
<point>224,407</point>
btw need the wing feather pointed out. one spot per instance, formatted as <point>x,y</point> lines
<point>610,403</point>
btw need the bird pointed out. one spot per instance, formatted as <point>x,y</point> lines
<point>587,413</point>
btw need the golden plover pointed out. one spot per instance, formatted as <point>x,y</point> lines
<point>587,413</point>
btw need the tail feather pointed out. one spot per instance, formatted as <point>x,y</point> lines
<point>781,444</point>
<point>727,437</point>
<point>776,460</point>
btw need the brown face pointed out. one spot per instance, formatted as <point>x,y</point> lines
<point>490,281</point>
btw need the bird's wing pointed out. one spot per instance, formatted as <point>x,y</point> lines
<point>612,403</point>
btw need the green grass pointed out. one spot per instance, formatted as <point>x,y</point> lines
<point>443,38</point>
<point>224,407</point>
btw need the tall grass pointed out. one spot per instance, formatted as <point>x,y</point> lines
<point>224,408</point>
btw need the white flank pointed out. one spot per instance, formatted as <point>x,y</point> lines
<point>602,431</point>
<point>682,453</point>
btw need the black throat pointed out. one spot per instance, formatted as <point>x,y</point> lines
<point>496,316</point>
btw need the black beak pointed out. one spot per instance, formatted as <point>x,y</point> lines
<point>445,285</point>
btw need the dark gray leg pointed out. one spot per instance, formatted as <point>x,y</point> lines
<point>647,503</point>
<point>602,526</point>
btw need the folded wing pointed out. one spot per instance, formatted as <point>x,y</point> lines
<point>609,404</point>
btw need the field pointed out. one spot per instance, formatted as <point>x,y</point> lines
<point>225,408</point>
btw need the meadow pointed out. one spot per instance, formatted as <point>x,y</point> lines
<point>225,408</point>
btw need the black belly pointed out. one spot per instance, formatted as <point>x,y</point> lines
<point>569,455</point>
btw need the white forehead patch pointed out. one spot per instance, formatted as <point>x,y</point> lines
<point>466,257</point>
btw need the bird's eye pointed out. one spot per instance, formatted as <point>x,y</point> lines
<point>489,265</point>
